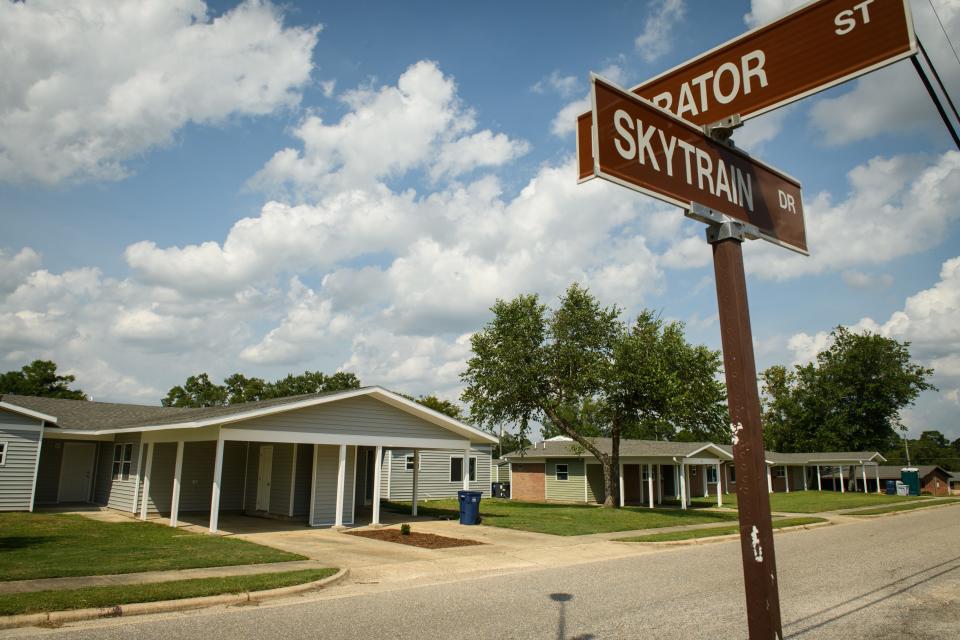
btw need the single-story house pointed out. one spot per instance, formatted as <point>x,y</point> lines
<point>312,458</point>
<point>934,479</point>
<point>788,472</point>
<point>559,469</point>
<point>955,483</point>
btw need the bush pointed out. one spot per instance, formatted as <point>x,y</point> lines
<point>404,529</point>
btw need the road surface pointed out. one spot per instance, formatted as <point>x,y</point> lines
<point>894,577</point>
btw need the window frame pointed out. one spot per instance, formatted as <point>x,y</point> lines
<point>471,468</point>
<point>4,448</point>
<point>711,471</point>
<point>693,471</point>
<point>557,472</point>
<point>122,457</point>
<point>779,471</point>
<point>408,462</point>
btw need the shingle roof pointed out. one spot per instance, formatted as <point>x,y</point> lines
<point>892,472</point>
<point>86,415</point>
<point>775,457</point>
<point>628,448</point>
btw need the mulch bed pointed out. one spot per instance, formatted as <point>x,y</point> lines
<point>414,539</point>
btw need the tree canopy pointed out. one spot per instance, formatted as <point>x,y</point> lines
<point>200,391</point>
<point>932,447</point>
<point>849,399</point>
<point>40,378</point>
<point>439,405</point>
<point>582,371</point>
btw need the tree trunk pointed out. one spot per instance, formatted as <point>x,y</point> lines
<point>604,459</point>
<point>612,474</point>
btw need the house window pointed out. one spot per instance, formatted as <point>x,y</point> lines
<point>693,471</point>
<point>409,462</point>
<point>643,472</point>
<point>563,472</point>
<point>456,469</point>
<point>711,474</point>
<point>778,472</point>
<point>733,473</point>
<point>3,453</point>
<point>122,457</point>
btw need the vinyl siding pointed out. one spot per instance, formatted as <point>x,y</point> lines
<point>362,416</point>
<point>325,491</point>
<point>279,478</point>
<point>570,490</point>
<point>22,438</point>
<point>161,477</point>
<point>231,476</point>
<point>595,489</point>
<point>120,493</point>
<point>434,479</point>
<point>48,473</point>
<point>301,491</point>
<point>103,480</point>
<point>196,475</point>
<point>280,482</point>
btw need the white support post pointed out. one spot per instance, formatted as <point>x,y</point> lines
<point>341,484</point>
<point>804,477</point>
<point>769,480</point>
<point>650,485</point>
<point>148,467</point>
<point>293,481</point>
<point>683,486</point>
<point>689,490</point>
<point>863,471</point>
<point>842,488</point>
<point>416,480</point>
<point>876,471</point>
<point>786,477</point>
<point>659,484</point>
<point>706,486</point>
<point>377,463</point>
<point>466,469</point>
<point>313,485</point>
<point>719,492</point>
<point>177,473</point>
<point>215,494</point>
<point>726,477</point>
<point>620,484</point>
<point>819,480</point>
<point>676,481</point>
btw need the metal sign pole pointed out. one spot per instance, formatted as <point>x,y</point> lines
<point>743,399</point>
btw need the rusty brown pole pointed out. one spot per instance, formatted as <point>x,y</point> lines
<point>743,400</point>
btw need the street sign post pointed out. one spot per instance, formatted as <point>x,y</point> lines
<point>643,147</point>
<point>817,46</point>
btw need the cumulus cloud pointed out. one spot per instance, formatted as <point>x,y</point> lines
<point>897,206</point>
<point>563,85</point>
<point>87,85</point>
<point>764,11</point>
<point>13,269</point>
<point>861,280</point>
<point>657,37</point>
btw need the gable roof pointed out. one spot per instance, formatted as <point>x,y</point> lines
<point>108,417</point>
<point>821,457</point>
<point>628,448</point>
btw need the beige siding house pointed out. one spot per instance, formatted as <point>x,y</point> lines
<point>317,458</point>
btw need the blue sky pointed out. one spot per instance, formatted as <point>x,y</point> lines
<point>262,188</point>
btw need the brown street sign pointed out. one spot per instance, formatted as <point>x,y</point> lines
<point>815,47</point>
<point>641,146</point>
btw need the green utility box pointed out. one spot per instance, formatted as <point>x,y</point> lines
<point>910,476</point>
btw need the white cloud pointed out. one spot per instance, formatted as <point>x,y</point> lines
<point>563,85</point>
<point>482,149</point>
<point>897,206</point>
<point>764,11</point>
<point>861,280</point>
<point>14,269</point>
<point>328,87</point>
<point>657,37</point>
<point>565,122</point>
<point>88,85</point>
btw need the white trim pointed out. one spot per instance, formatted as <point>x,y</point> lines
<point>416,482</point>
<point>177,476</point>
<point>56,433</point>
<point>136,482</point>
<point>148,467</point>
<point>3,457</point>
<point>341,484</point>
<point>389,453</point>
<point>723,455</point>
<point>36,466</point>
<point>26,412</point>
<point>293,480</point>
<point>620,485</point>
<point>313,485</point>
<point>353,490</point>
<point>556,472</point>
<point>217,481</point>
<point>377,468</point>
<point>246,470</point>
<point>465,468</point>
<point>306,437</point>
<point>586,484</point>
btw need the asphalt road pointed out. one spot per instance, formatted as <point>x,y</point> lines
<point>895,577</point>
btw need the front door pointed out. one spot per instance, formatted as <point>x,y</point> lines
<point>76,471</point>
<point>264,475</point>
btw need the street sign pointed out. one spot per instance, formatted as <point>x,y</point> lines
<point>641,146</point>
<point>815,47</point>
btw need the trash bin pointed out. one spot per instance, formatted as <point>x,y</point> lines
<point>469,506</point>
<point>902,489</point>
<point>891,487</point>
<point>911,477</point>
<point>505,490</point>
<point>496,489</point>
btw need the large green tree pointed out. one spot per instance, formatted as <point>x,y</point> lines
<point>849,399</point>
<point>200,391</point>
<point>932,447</point>
<point>40,378</point>
<point>581,371</point>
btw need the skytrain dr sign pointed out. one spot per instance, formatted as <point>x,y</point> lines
<point>641,146</point>
<point>815,47</point>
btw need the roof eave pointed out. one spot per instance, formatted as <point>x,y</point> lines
<point>27,412</point>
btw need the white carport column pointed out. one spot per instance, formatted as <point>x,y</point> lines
<point>683,486</point>
<point>863,471</point>
<point>466,469</point>
<point>769,480</point>
<point>706,487</point>
<point>215,494</point>
<point>620,484</point>
<point>659,484</point>
<point>676,481</point>
<point>804,477</point>
<point>842,488</point>
<point>819,480</point>
<point>876,471</point>
<point>377,463</point>
<point>177,471</point>
<point>650,485</point>
<point>719,490</point>
<point>786,477</point>
<point>341,484</point>
<point>416,481</point>
<point>148,467</point>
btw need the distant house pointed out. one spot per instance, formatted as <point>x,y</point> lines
<point>311,458</point>
<point>955,483</point>
<point>934,480</point>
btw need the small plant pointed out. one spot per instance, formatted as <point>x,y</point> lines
<point>404,529</point>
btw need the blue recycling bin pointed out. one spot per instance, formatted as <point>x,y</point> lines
<point>469,506</point>
<point>891,487</point>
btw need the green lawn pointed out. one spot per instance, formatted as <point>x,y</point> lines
<point>905,507</point>
<point>36,545</point>
<point>714,531</point>
<point>814,501</point>
<point>41,601</point>
<point>568,520</point>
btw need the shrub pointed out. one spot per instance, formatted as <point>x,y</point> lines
<point>404,529</point>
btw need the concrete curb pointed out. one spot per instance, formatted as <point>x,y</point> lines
<point>57,618</point>
<point>723,538</point>
<point>903,511</point>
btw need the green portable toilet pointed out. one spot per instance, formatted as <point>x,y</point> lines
<point>910,476</point>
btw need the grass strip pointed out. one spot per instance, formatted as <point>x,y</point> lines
<point>44,545</point>
<point>714,531</point>
<point>43,601</point>
<point>903,507</point>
